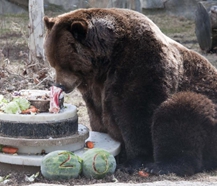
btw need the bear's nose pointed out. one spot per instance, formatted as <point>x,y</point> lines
<point>60,86</point>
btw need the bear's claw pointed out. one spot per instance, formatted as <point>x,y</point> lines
<point>156,169</point>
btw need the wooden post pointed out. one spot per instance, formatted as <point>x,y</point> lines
<point>205,22</point>
<point>36,31</point>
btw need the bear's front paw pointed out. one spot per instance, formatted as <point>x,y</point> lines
<point>128,168</point>
<point>132,165</point>
<point>125,169</point>
<point>156,169</point>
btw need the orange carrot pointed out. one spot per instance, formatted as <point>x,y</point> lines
<point>143,174</point>
<point>89,144</point>
<point>9,150</point>
<point>31,109</point>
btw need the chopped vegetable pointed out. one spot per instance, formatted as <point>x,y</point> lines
<point>32,177</point>
<point>3,100</point>
<point>97,163</point>
<point>143,174</point>
<point>5,179</point>
<point>31,110</point>
<point>22,102</point>
<point>11,108</point>
<point>15,106</point>
<point>89,144</point>
<point>8,149</point>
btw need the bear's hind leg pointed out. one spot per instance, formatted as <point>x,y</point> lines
<point>182,165</point>
<point>179,131</point>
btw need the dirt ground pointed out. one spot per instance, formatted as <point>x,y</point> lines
<point>16,73</point>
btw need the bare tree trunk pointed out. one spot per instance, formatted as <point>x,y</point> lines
<point>36,30</point>
<point>205,22</point>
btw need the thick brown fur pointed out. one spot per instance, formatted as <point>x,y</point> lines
<point>127,70</point>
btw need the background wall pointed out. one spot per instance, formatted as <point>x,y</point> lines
<point>184,8</point>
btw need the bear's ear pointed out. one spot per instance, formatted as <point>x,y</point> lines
<point>79,29</point>
<point>48,22</point>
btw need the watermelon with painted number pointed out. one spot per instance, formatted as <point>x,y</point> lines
<point>97,163</point>
<point>61,165</point>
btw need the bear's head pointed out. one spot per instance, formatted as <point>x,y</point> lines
<point>64,51</point>
<point>78,45</point>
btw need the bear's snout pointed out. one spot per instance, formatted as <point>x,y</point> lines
<point>60,86</point>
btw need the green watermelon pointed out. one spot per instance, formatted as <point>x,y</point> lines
<point>61,165</point>
<point>97,163</point>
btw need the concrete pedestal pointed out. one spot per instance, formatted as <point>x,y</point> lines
<point>101,140</point>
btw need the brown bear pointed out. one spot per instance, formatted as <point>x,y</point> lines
<point>146,90</point>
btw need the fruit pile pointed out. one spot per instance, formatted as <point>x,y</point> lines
<point>33,101</point>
